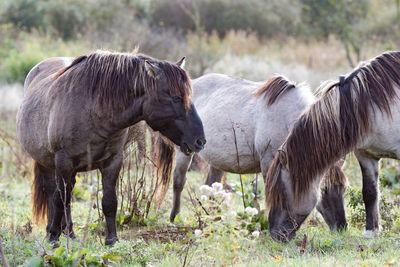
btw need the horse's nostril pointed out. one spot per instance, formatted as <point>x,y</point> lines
<point>201,142</point>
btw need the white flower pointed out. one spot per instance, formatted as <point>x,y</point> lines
<point>232,214</point>
<point>203,198</point>
<point>251,211</point>
<point>248,210</point>
<point>217,186</point>
<point>227,197</point>
<point>92,189</point>
<point>206,190</point>
<point>219,195</point>
<point>198,232</point>
<point>255,233</point>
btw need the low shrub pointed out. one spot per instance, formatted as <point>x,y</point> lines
<point>30,49</point>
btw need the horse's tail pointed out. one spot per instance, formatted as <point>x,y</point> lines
<point>39,196</point>
<point>164,156</point>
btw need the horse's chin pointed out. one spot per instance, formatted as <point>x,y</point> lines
<point>186,149</point>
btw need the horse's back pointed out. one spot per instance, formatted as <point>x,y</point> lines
<point>45,69</point>
<point>211,82</point>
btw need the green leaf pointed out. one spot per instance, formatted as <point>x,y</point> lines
<point>111,257</point>
<point>59,251</point>
<point>36,261</point>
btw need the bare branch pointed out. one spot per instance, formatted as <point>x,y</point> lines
<point>3,256</point>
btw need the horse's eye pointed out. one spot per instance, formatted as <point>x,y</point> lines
<point>177,99</point>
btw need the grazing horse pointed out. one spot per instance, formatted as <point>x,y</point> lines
<point>75,117</point>
<point>245,123</point>
<point>358,113</point>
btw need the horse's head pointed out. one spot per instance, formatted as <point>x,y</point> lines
<point>291,199</point>
<point>287,208</point>
<point>171,111</point>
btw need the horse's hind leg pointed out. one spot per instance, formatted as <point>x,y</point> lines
<point>369,168</point>
<point>181,168</point>
<point>66,222</point>
<point>110,172</point>
<point>61,198</point>
<point>214,175</point>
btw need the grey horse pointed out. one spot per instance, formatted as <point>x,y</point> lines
<point>75,117</point>
<point>360,113</point>
<point>245,123</point>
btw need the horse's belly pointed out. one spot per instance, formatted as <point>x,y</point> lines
<point>229,162</point>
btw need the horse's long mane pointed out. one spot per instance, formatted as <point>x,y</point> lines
<point>335,123</point>
<point>112,79</point>
<point>274,87</point>
<point>164,158</point>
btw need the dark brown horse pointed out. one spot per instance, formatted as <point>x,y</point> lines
<point>359,113</point>
<point>75,117</point>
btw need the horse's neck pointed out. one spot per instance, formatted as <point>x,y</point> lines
<point>131,115</point>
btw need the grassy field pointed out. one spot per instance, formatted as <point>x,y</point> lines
<point>307,41</point>
<point>228,235</point>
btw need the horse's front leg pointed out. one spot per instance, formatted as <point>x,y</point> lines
<point>60,200</point>
<point>110,172</point>
<point>181,168</point>
<point>369,168</point>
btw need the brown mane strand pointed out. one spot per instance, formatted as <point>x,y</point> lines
<point>274,87</point>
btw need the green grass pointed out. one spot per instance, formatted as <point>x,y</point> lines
<point>23,240</point>
<point>222,243</point>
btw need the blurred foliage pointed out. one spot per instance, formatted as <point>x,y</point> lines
<point>206,31</point>
<point>388,210</point>
<point>267,18</point>
<point>390,175</point>
<point>19,53</point>
<point>337,17</point>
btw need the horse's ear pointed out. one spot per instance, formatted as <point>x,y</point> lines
<point>152,69</point>
<point>181,63</point>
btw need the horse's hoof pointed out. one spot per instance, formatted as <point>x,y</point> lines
<point>55,244</point>
<point>54,241</point>
<point>111,241</point>
<point>172,218</point>
<point>70,235</point>
<point>371,233</point>
<point>53,238</point>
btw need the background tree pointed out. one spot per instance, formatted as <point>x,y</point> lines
<point>340,18</point>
